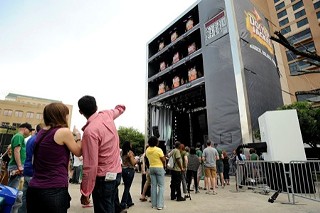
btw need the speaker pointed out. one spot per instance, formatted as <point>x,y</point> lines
<point>155,131</point>
<point>162,145</point>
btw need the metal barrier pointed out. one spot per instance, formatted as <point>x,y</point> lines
<point>305,179</point>
<point>296,178</point>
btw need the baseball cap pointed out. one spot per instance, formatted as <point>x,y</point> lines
<point>26,125</point>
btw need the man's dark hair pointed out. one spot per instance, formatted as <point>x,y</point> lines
<point>87,105</point>
<point>192,151</point>
<point>208,143</point>
<point>153,141</point>
<point>177,144</point>
<point>126,147</point>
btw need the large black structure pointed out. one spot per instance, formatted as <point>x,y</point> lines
<point>211,74</point>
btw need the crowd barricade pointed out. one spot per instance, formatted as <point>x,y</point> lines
<point>296,178</point>
<point>305,179</point>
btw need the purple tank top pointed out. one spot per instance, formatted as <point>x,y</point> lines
<point>50,162</point>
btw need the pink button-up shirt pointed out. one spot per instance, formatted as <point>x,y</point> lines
<point>100,147</point>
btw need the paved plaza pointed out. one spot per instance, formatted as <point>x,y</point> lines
<point>227,200</point>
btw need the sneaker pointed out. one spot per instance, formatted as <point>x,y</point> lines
<point>159,208</point>
<point>214,193</point>
<point>181,199</point>
<point>208,192</point>
<point>197,191</point>
<point>187,196</point>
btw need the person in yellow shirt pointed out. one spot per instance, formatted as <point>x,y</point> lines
<point>157,163</point>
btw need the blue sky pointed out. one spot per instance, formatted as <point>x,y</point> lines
<point>64,49</point>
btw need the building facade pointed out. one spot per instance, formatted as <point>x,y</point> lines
<point>17,109</point>
<point>298,21</point>
<point>211,73</point>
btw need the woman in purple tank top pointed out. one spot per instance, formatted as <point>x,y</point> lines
<point>48,188</point>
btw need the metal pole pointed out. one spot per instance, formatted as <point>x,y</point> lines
<point>245,121</point>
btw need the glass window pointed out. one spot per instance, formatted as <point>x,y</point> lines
<point>7,112</point>
<point>286,30</point>
<point>303,65</point>
<point>290,56</point>
<point>316,5</point>
<point>318,15</point>
<point>283,22</point>
<point>5,124</point>
<point>300,36</point>
<point>299,14</point>
<point>297,5</point>
<point>279,6</point>
<point>29,115</point>
<point>281,14</point>
<point>302,22</point>
<point>39,116</point>
<point>292,0</point>
<point>275,1</point>
<point>306,97</point>
<point>307,47</point>
<point>18,114</point>
<point>16,125</point>
<point>293,68</point>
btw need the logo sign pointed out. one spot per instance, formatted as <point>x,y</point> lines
<point>216,27</point>
<point>258,30</point>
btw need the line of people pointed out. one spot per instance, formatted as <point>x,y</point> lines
<point>188,164</point>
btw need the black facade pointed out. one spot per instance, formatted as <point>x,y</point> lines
<point>196,86</point>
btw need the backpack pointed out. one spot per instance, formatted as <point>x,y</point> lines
<point>170,163</point>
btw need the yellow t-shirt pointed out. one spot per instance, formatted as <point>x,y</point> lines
<point>154,154</point>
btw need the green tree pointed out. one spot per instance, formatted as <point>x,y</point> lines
<point>134,136</point>
<point>309,120</point>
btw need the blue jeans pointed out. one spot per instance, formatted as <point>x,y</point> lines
<point>14,181</point>
<point>157,182</point>
<point>26,182</point>
<point>104,194</point>
<point>127,176</point>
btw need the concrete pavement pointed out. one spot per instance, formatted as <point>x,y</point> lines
<point>227,200</point>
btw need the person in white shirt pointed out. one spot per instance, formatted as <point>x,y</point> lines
<point>77,169</point>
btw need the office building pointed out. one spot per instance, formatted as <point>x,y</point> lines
<point>17,109</point>
<point>298,21</point>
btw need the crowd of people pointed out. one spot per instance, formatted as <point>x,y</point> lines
<point>210,164</point>
<point>43,161</point>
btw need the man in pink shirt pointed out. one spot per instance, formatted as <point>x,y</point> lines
<point>100,151</point>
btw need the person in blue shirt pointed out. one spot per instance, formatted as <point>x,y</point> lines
<point>28,168</point>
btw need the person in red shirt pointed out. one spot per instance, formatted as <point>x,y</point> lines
<point>100,151</point>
